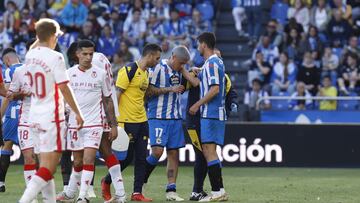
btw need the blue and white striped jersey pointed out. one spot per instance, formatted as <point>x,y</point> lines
<point>213,73</point>
<point>165,106</point>
<point>12,110</point>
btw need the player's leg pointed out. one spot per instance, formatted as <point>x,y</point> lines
<point>75,178</point>
<point>75,145</point>
<point>66,167</point>
<point>6,152</point>
<point>200,166</point>
<point>175,141</point>
<point>26,144</point>
<point>29,164</point>
<point>43,177</point>
<point>91,138</point>
<point>158,139</point>
<point>212,133</point>
<point>130,130</point>
<point>140,148</point>
<point>125,161</point>
<point>1,133</point>
<point>10,130</point>
<point>91,192</point>
<point>152,161</point>
<point>88,171</point>
<point>172,172</point>
<point>114,169</point>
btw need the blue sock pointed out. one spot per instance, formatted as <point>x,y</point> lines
<point>171,187</point>
<point>6,152</point>
<point>151,162</point>
<point>214,162</point>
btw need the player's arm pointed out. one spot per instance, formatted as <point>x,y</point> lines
<point>214,83</point>
<point>70,100</point>
<point>156,91</point>
<point>109,106</point>
<point>154,78</point>
<point>62,81</point>
<point>17,96</point>
<point>2,90</point>
<point>122,82</point>
<point>119,91</point>
<point>194,81</point>
<point>14,90</point>
<point>110,115</point>
<point>5,101</point>
<point>4,105</point>
<point>214,90</point>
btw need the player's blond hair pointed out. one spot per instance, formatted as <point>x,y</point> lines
<point>46,28</point>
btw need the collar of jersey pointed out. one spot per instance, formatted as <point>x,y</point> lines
<point>212,56</point>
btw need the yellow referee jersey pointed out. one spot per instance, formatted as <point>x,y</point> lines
<point>131,103</point>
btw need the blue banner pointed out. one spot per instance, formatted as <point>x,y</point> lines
<point>310,117</point>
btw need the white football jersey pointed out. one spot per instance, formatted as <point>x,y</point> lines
<point>47,71</point>
<point>21,82</point>
<point>89,86</point>
<point>100,60</point>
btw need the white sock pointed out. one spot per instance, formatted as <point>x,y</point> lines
<point>2,183</point>
<point>28,174</point>
<point>222,190</point>
<point>48,192</point>
<point>36,184</point>
<point>216,193</point>
<point>74,182</point>
<point>117,180</point>
<point>86,178</point>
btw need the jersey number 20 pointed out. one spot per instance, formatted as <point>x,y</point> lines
<point>40,89</point>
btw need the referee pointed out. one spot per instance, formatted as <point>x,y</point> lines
<point>132,83</point>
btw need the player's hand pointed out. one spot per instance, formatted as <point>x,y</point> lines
<point>113,134</point>
<point>193,109</point>
<point>196,70</point>
<point>10,96</point>
<point>79,121</point>
<point>178,89</point>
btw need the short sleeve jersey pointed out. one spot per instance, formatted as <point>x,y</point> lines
<point>165,106</point>
<point>99,60</point>
<point>21,83</point>
<point>12,111</point>
<point>131,104</point>
<point>47,70</point>
<point>89,86</point>
<point>213,73</point>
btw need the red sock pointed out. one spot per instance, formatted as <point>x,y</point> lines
<point>111,161</point>
<point>44,173</point>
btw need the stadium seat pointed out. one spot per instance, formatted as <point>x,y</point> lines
<point>348,104</point>
<point>280,104</point>
<point>206,10</point>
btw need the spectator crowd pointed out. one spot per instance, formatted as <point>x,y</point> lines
<point>307,48</point>
<point>119,28</point>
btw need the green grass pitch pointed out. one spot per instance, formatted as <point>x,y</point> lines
<point>244,185</point>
